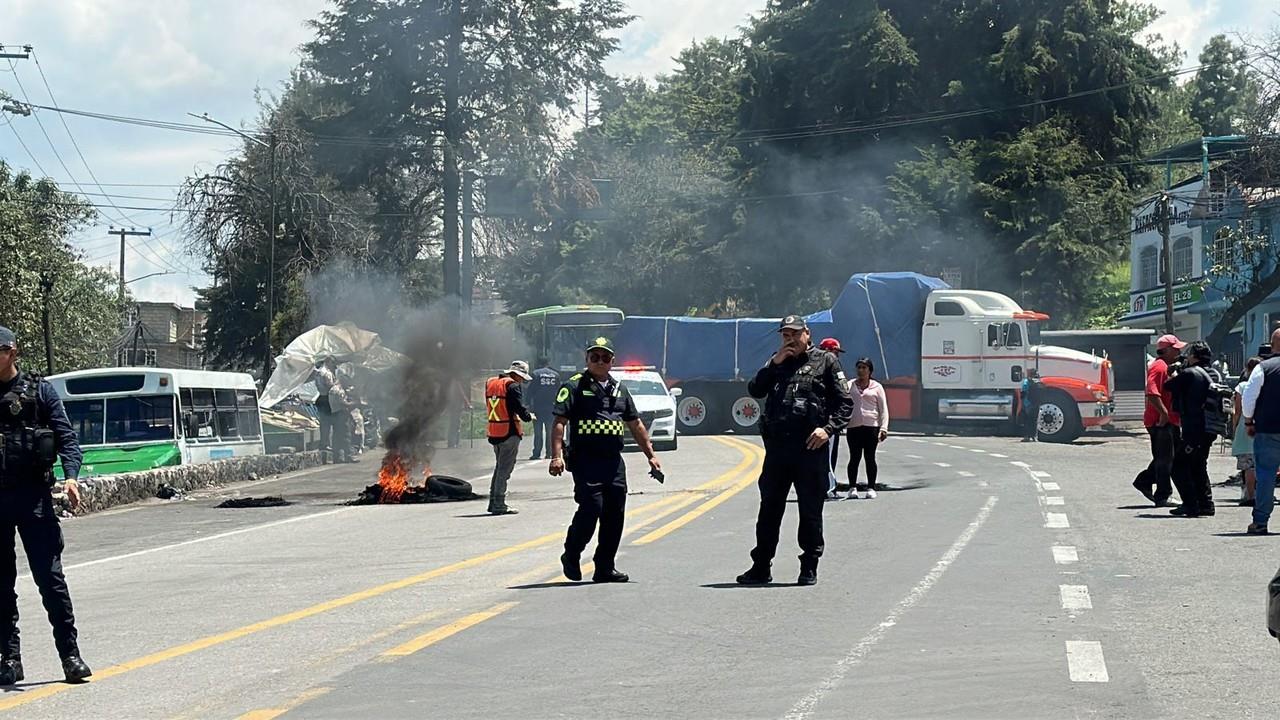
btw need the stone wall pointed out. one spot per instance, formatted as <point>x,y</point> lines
<point>106,491</point>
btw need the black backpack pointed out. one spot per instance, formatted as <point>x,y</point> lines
<point>1218,407</point>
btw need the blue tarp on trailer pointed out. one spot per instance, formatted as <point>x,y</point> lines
<point>878,315</point>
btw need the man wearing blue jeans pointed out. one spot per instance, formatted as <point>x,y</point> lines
<point>1260,404</point>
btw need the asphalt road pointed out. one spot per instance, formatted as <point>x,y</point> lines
<point>993,579</point>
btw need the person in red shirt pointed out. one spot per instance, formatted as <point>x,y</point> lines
<point>1162,424</point>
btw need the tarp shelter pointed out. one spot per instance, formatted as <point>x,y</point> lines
<point>344,342</point>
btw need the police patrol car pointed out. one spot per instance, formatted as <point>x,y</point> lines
<point>656,404</point>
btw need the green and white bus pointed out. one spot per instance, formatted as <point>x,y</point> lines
<point>135,419</point>
<point>560,333</point>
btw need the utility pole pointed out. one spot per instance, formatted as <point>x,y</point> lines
<point>24,55</point>
<point>452,144</point>
<point>468,238</point>
<point>46,292</point>
<point>131,232</point>
<point>1168,262</point>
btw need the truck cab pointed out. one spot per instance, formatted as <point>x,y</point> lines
<point>978,346</point>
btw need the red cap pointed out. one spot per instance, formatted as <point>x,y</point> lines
<point>1170,341</point>
<point>831,345</point>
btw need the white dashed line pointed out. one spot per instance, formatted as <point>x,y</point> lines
<point>1075,597</point>
<point>1085,662</point>
<point>1056,521</point>
<point>1065,554</point>
<point>957,447</point>
<point>965,473</point>
<point>1050,486</point>
<point>1019,463</point>
<point>1055,501</point>
<point>917,440</point>
<point>983,483</point>
<point>804,708</point>
<point>943,465</point>
<point>998,455</point>
<point>914,457</point>
<point>1040,474</point>
<point>976,450</point>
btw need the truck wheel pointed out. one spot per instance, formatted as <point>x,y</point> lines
<point>695,416</point>
<point>745,416</point>
<point>1058,419</point>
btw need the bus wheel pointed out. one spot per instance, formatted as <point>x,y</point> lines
<point>746,412</point>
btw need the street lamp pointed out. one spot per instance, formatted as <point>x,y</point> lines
<point>271,267</point>
<point>149,275</point>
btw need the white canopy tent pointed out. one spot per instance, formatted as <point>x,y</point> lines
<point>344,342</point>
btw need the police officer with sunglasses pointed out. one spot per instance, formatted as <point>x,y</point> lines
<point>593,410</point>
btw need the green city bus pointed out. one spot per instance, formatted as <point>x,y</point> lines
<point>136,419</point>
<point>561,333</point>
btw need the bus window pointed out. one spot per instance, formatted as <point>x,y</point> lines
<point>247,408</point>
<point>140,419</point>
<point>225,408</point>
<point>88,419</point>
<point>197,413</point>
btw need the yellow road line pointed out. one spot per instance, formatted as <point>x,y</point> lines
<point>431,638</point>
<point>204,643</point>
<point>271,713</point>
<point>748,480</point>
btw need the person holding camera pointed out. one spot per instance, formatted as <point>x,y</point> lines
<point>1192,389</point>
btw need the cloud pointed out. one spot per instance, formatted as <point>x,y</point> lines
<point>663,28</point>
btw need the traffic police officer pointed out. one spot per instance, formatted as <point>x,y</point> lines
<point>34,433</point>
<point>597,409</point>
<point>806,402</point>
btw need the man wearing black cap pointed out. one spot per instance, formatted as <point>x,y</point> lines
<point>806,402</point>
<point>596,409</point>
<point>34,433</point>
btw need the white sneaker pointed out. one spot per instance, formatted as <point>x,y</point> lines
<point>871,494</point>
<point>852,495</point>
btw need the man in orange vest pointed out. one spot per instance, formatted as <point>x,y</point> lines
<point>504,405</point>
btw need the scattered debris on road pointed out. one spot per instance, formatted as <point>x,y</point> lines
<point>393,486</point>
<point>169,492</point>
<point>254,502</point>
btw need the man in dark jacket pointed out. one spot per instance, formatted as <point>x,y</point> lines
<point>36,433</point>
<point>806,403</point>
<point>1189,383</point>
<point>542,398</point>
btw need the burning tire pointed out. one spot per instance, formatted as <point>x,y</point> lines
<point>696,416</point>
<point>1058,419</point>
<point>745,413</point>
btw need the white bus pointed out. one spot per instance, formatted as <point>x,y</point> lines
<point>135,419</point>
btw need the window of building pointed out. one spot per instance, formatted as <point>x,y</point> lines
<point>149,358</point>
<point>1182,260</point>
<point>1223,251</point>
<point>1148,267</point>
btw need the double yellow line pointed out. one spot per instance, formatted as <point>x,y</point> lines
<point>662,508</point>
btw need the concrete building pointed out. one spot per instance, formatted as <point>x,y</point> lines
<point>163,335</point>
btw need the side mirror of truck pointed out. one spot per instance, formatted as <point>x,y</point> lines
<point>676,392</point>
<point>1015,374</point>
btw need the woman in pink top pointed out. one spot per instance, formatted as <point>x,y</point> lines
<point>868,427</point>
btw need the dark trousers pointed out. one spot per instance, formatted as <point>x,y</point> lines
<point>1158,474</point>
<point>787,463</point>
<point>1029,418</point>
<point>326,428</point>
<point>863,442</point>
<point>33,519</point>
<point>600,489</point>
<point>340,422</point>
<point>1191,471</point>
<point>541,430</point>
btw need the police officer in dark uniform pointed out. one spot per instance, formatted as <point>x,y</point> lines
<point>596,409</point>
<point>542,398</point>
<point>34,433</point>
<point>806,402</point>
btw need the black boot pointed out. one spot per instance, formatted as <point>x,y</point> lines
<point>10,670</point>
<point>610,576</point>
<point>571,566</point>
<point>75,669</point>
<point>757,575</point>
<point>808,571</point>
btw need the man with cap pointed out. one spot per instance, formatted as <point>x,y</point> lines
<point>542,396</point>
<point>832,345</point>
<point>807,402</point>
<point>1162,422</point>
<point>596,409</point>
<point>504,406</point>
<point>34,434</point>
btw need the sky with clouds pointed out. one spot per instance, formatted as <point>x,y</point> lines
<point>162,59</point>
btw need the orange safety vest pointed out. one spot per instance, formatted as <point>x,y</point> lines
<point>501,423</point>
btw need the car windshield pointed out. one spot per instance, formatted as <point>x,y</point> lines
<point>644,387</point>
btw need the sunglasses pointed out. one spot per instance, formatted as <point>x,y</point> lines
<point>600,358</point>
